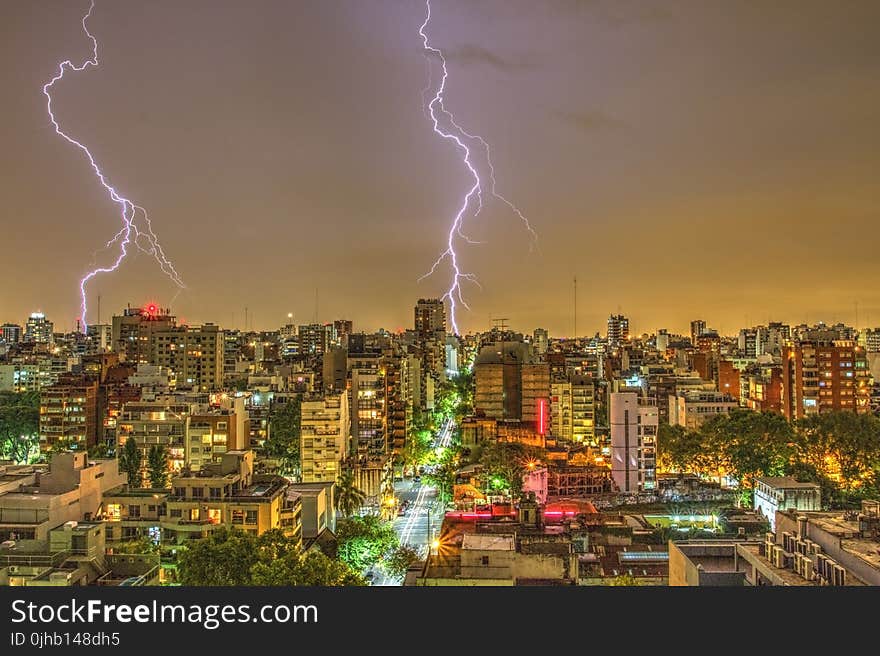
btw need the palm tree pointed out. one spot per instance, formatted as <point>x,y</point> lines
<point>348,496</point>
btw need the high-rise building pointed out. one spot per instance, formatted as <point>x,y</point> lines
<point>430,319</point>
<point>133,330</point>
<point>693,407</point>
<point>634,426</point>
<point>100,338</point>
<point>698,327</point>
<point>618,329</point>
<point>39,329</point>
<point>872,340</point>
<point>369,428</point>
<point>560,408</point>
<point>324,427</point>
<point>10,333</point>
<point>213,431</point>
<point>342,328</point>
<point>583,409</point>
<point>541,340</point>
<point>748,342</point>
<point>69,414</point>
<point>314,339</point>
<point>195,355</point>
<point>662,341</point>
<point>511,383</point>
<point>823,376</point>
<point>161,421</point>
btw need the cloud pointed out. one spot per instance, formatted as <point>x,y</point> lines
<point>470,55</point>
<point>590,120</point>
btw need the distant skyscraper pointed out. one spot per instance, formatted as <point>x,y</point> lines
<point>343,327</point>
<point>430,319</point>
<point>39,329</point>
<point>662,340</point>
<point>698,327</point>
<point>824,376</point>
<point>541,340</point>
<point>11,333</point>
<point>618,328</point>
<point>314,339</point>
<point>195,355</point>
<point>132,331</point>
<point>872,340</point>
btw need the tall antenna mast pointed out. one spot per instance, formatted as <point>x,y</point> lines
<point>575,307</point>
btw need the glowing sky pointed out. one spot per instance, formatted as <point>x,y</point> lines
<point>712,159</point>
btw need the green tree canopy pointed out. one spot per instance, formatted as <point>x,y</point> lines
<point>130,461</point>
<point>364,541</point>
<point>237,558</point>
<point>399,560</point>
<point>284,434</point>
<point>505,464</point>
<point>19,425</point>
<point>157,466</point>
<point>349,498</point>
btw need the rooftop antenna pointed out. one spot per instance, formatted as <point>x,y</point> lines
<point>316,306</point>
<point>575,307</point>
<point>99,310</point>
<point>499,324</point>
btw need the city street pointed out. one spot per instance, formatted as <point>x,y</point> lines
<point>424,514</point>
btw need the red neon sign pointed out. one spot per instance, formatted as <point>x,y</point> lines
<point>542,416</point>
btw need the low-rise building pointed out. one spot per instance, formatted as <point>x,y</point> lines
<point>71,489</point>
<point>324,428</point>
<point>775,493</point>
<point>230,494</point>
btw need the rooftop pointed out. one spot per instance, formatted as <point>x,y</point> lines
<point>786,483</point>
<point>483,542</point>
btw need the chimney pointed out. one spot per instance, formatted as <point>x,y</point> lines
<point>802,526</point>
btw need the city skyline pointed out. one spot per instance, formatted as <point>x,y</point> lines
<point>713,193</point>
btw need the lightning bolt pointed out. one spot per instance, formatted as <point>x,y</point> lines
<point>460,137</point>
<point>137,229</point>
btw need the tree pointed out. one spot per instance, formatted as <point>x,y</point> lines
<point>313,568</point>
<point>19,425</point>
<point>841,452</point>
<point>236,558</point>
<point>99,450</point>
<point>364,541</point>
<point>349,498</point>
<point>398,561</point>
<point>142,545</point>
<point>442,476</point>
<point>747,444</point>
<point>505,464</point>
<point>157,466</point>
<point>225,558</point>
<point>284,434</point>
<point>677,449</point>
<point>417,448</point>
<point>130,462</point>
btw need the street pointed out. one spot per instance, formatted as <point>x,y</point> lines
<point>424,515</point>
